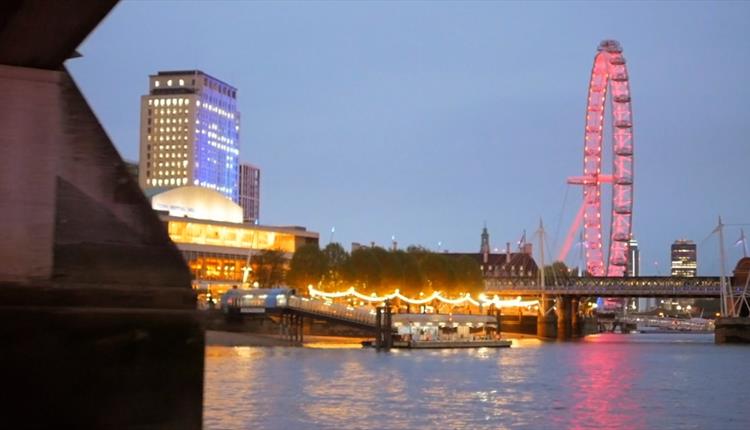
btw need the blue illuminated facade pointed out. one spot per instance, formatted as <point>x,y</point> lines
<point>190,133</point>
<point>216,149</point>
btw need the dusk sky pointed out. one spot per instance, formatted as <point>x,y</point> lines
<point>423,120</point>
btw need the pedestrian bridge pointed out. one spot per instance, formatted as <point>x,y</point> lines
<point>292,310</point>
<point>651,286</point>
<point>339,312</point>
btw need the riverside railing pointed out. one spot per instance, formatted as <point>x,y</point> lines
<point>630,287</point>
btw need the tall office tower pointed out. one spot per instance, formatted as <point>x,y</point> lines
<point>684,258</point>
<point>190,130</point>
<point>634,258</point>
<point>250,192</point>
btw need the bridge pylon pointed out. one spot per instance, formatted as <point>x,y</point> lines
<point>545,322</point>
<point>575,317</point>
<point>383,327</point>
<point>564,312</point>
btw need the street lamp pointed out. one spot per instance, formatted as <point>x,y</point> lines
<point>245,274</point>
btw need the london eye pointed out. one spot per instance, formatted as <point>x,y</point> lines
<point>609,76</point>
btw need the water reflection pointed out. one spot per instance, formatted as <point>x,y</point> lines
<point>600,383</point>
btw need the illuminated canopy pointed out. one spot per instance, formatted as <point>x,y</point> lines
<point>199,203</point>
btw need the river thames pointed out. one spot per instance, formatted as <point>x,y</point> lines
<point>643,381</point>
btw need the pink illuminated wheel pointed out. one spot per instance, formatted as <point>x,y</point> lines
<point>609,75</point>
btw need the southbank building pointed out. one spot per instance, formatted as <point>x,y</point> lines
<point>250,193</point>
<point>190,130</point>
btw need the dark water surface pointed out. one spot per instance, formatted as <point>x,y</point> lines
<point>645,381</point>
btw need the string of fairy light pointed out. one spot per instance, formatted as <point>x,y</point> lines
<point>483,300</point>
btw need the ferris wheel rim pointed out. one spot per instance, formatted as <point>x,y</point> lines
<point>609,82</point>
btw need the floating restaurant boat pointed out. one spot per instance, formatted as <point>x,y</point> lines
<point>435,331</point>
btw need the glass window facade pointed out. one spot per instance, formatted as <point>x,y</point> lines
<point>190,232</point>
<point>191,131</point>
<point>684,258</point>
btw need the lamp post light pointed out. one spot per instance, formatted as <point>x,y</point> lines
<point>246,274</point>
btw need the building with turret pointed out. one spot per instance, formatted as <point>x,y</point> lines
<point>503,264</point>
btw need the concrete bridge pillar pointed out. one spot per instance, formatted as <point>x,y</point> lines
<point>383,328</point>
<point>575,317</point>
<point>98,325</point>
<point>563,317</point>
<point>545,323</point>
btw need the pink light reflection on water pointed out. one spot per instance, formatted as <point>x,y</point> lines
<point>602,383</point>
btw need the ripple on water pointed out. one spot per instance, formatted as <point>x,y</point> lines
<point>607,382</point>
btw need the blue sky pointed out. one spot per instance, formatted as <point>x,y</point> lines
<point>423,120</point>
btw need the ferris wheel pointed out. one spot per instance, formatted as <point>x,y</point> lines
<point>609,75</point>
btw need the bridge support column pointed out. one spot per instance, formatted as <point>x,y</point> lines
<point>575,317</point>
<point>383,328</point>
<point>388,328</point>
<point>563,317</point>
<point>300,329</point>
<point>290,327</point>
<point>378,327</point>
<point>545,324</point>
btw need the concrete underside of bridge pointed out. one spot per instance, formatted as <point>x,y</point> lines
<point>97,320</point>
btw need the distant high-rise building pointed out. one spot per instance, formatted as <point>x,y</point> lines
<point>250,192</point>
<point>684,258</point>
<point>634,259</point>
<point>190,130</point>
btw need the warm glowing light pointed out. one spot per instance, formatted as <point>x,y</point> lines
<point>465,298</point>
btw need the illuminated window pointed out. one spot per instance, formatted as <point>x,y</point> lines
<point>169,83</point>
<point>182,82</point>
<point>156,83</point>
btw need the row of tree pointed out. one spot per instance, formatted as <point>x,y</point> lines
<point>377,270</point>
<point>374,269</point>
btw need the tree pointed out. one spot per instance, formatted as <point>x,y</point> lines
<point>268,268</point>
<point>556,274</point>
<point>308,266</point>
<point>439,272</point>
<point>468,275</point>
<point>336,257</point>
<point>365,269</point>
<point>406,273</point>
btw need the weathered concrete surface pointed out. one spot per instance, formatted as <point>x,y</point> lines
<point>30,101</point>
<point>104,368</point>
<point>97,320</point>
<point>732,330</point>
<point>42,34</point>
